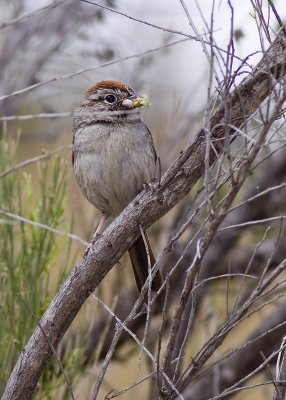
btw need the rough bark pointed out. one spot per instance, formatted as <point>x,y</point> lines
<point>147,208</point>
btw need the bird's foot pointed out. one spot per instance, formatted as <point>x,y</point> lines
<point>151,185</point>
<point>88,250</point>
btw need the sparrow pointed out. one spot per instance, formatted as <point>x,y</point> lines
<point>113,158</point>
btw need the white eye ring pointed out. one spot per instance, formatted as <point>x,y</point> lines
<point>110,98</point>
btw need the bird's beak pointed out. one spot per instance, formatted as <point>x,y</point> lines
<point>136,102</point>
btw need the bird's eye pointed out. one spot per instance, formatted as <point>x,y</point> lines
<point>110,98</point>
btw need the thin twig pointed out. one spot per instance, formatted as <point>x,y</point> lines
<point>144,22</point>
<point>277,16</point>
<point>250,223</point>
<point>93,68</point>
<point>25,163</point>
<point>122,325</point>
<point>32,14</point>
<point>35,116</point>
<point>43,226</point>
<point>51,347</point>
<point>117,393</point>
<point>161,28</point>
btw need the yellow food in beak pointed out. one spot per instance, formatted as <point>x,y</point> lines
<point>138,102</point>
<point>142,101</point>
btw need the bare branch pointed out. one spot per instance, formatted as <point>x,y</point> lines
<point>280,388</point>
<point>46,154</point>
<point>32,14</point>
<point>35,116</point>
<point>43,226</point>
<point>93,68</point>
<point>148,207</point>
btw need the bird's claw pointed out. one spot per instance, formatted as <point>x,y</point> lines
<point>92,242</point>
<point>151,185</point>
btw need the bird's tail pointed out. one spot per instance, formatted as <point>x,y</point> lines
<point>139,260</point>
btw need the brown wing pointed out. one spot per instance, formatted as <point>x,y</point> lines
<point>157,159</point>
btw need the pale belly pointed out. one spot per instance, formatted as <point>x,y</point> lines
<point>112,177</point>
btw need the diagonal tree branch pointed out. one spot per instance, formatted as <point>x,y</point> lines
<point>147,208</point>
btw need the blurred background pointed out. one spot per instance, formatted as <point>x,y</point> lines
<point>51,52</point>
<point>47,52</point>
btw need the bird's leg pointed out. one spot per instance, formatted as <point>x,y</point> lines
<point>100,228</point>
<point>155,182</point>
<point>151,185</point>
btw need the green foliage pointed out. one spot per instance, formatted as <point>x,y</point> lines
<point>28,252</point>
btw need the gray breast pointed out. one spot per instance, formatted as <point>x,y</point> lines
<point>111,165</point>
